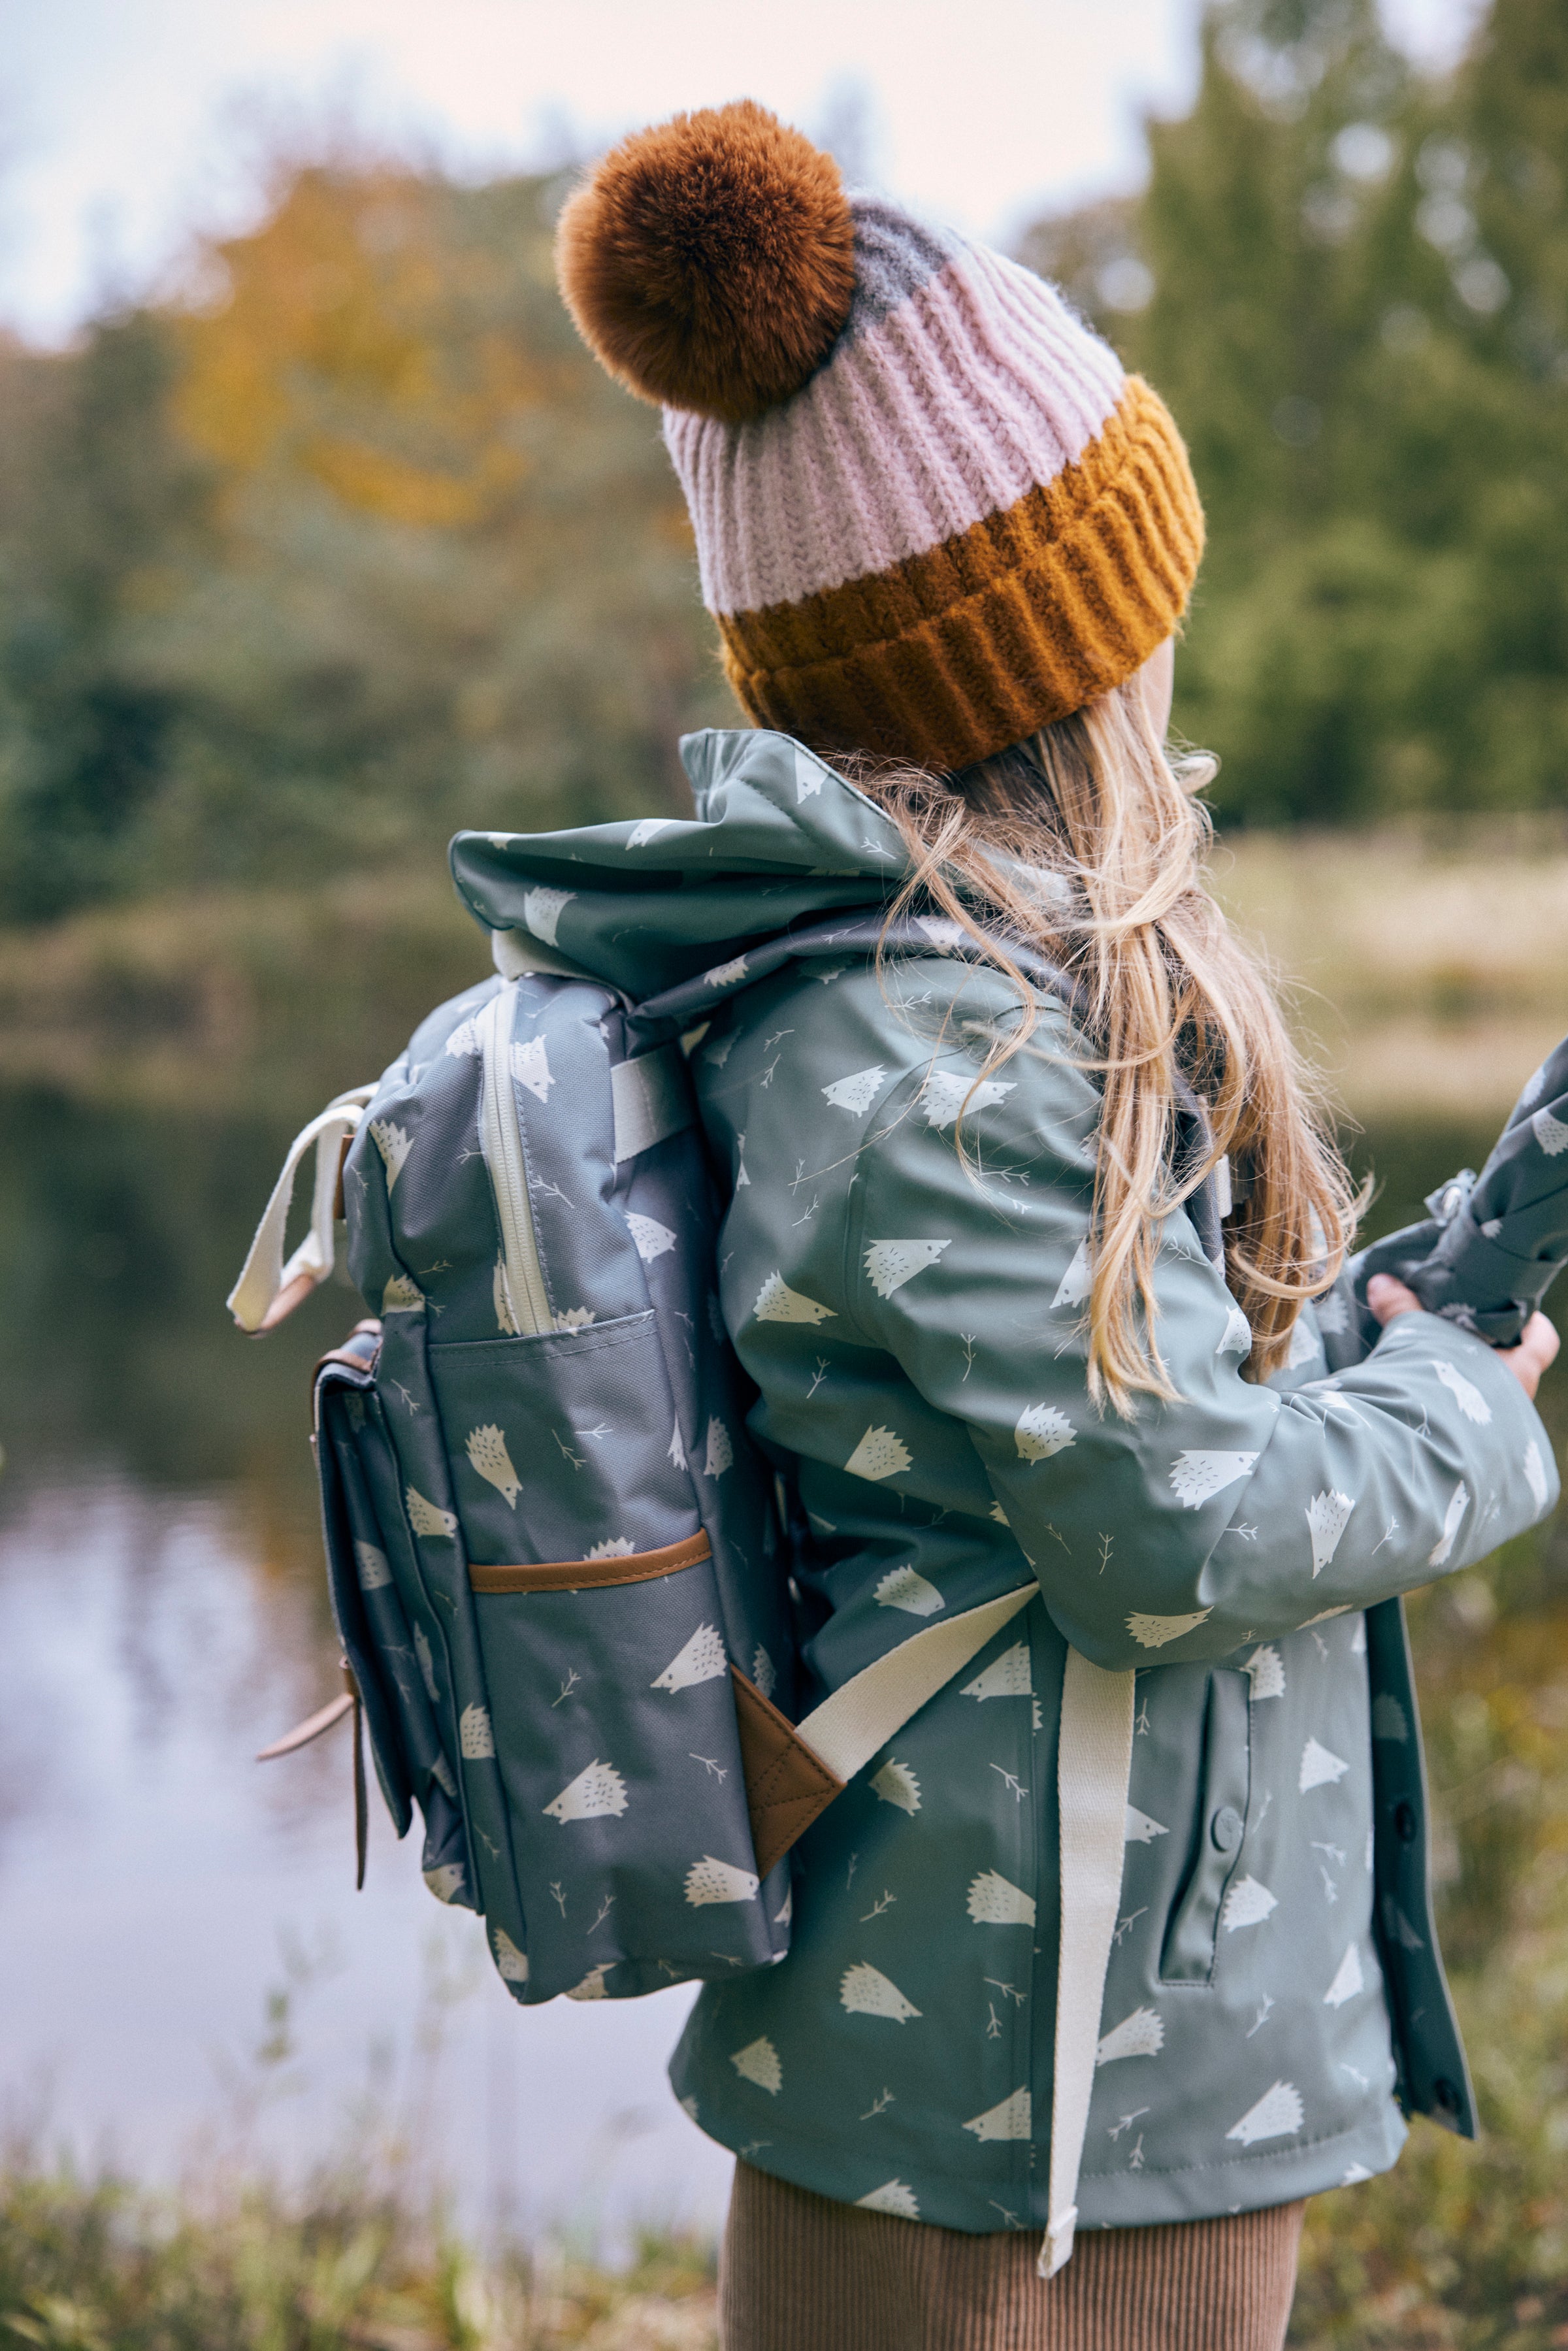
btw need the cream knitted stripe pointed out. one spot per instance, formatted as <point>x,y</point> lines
<point>955,404</point>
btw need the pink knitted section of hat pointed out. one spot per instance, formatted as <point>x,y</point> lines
<point>977,387</point>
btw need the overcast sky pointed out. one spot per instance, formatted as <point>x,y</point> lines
<point>126,123</point>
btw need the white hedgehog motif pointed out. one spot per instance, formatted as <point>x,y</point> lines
<point>475,1739</point>
<point>1041,1431</point>
<point>1141,1829</point>
<point>463,1039</point>
<point>1348,1980</point>
<point>864,1990</point>
<point>763,1672</point>
<point>758,2062</point>
<point>530,1067</point>
<point>402,1296</point>
<point>892,2197</point>
<point>445,1881</point>
<point>948,1092</point>
<point>942,930</point>
<point>511,1964</point>
<point>1331,1312</point>
<point>895,1783</point>
<point>893,1263</point>
<point>1550,1133</point>
<point>441,1772</point>
<point>1328,1515</point>
<point>1531,1090</point>
<point>1154,1631</point>
<point>593,1986</point>
<point>1458,1503</point>
<point>486,1450</point>
<point>994,1901</point>
<point>725,975</point>
<point>720,1451</point>
<point>1074,1287</point>
<point>501,1299</point>
<point>1265,1668</point>
<point>597,1791</point>
<point>542,912</point>
<point>808,776</point>
<point>649,1237</point>
<point>1012,2119</point>
<point>1142,2034</point>
<point>573,1318</point>
<point>878,1454</point>
<point>374,1572</point>
<point>1007,1676</point>
<point>425,1518</point>
<point>1248,1904</point>
<point>1196,1475</point>
<point>677,1449</point>
<point>856,1092</point>
<point>612,1547</point>
<point>905,1588</point>
<point>647,829</point>
<point>1276,2115</point>
<point>1236,1333</point>
<point>1303,1346</point>
<point>1465,1393</point>
<point>392,1143</point>
<point>702,1659</point>
<point>1535,1474</point>
<point>777,1303</point>
<point>1388,1719</point>
<point>709,1880</point>
<point>1320,1768</point>
<point>426,1663</point>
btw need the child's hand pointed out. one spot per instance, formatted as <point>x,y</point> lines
<point>1536,1347</point>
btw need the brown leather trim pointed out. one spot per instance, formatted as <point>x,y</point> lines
<point>787,1785</point>
<point>580,1574</point>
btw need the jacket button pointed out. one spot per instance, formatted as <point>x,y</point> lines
<point>1404,1821</point>
<point>1225,1828</point>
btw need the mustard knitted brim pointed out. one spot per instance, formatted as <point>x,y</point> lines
<point>953,653</point>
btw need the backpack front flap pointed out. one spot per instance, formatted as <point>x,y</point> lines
<point>562,1548</point>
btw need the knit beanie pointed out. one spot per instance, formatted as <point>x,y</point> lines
<point>933,512</point>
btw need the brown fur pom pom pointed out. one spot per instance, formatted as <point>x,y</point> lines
<point>709,262</point>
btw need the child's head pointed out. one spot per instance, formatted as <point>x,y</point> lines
<point>949,541</point>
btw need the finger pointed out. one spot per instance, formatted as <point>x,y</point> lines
<point>1388,1298</point>
<point>1540,1336</point>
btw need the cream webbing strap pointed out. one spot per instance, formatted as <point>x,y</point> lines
<point>1095,1761</point>
<point>874,1705</point>
<point>267,1288</point>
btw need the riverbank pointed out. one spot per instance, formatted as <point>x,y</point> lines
<point>1427,972</point>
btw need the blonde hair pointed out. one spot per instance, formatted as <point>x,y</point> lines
<point>1088,844</point>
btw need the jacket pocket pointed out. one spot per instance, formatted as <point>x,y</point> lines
<point>1218,1830</point>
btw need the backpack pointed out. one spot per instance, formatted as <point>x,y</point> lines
<point>559,1569</point>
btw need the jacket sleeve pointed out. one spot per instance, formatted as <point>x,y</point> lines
<point>1229,1514</point>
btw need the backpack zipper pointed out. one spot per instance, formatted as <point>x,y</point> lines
<point>501,1141</point>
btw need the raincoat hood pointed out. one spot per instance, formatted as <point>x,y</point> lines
<point>778,839</point>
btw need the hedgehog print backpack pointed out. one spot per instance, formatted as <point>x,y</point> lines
<point>558,1571</point>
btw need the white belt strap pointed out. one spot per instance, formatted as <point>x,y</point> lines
<point>874,1705</point>
<point>267,1289</point>
<point>652,1099</point>
<point>1095,1761</point>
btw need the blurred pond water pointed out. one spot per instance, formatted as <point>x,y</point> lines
<point>185,1970</point>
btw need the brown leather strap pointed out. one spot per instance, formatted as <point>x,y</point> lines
<point>311,1728</point>
<point>361,1803</point>
<point>786,1785</point>
<point>583,1574</point>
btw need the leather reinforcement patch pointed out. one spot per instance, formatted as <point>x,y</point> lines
<point>787,1785</point>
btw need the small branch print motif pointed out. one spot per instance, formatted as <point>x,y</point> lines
<point>1018,1790</point>
<point>710,1764</point>
<point>406,1395</point>
<point>854,1863</point>
<point>884,1901</point>
<point>577,1460</point>
<point>821,1373</point>
<point>559,1897</point>
<point>1008,1990</point>
<point>1126,2122</point>
<point>1107,1545</point>
<point>968,1337</point>
<point>994,2029</point>
<point>605,1909</point>
<point>1124,1926</point>
<point>571,1683</point>
<point>879,2105</point>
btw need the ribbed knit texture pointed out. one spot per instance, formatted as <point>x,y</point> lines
<point>802,2273</point>
<point>966,524</point>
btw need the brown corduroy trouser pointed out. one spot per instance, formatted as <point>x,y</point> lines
<point>800,2273</point>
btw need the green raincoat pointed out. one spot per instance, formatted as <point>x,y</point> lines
<point>912,1316</point>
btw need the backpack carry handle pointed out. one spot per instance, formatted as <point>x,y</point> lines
<point>268,1290</point>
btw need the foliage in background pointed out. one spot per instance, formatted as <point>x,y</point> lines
<point>1352,288</point>
<point>361,548</point>
<point>354,544</point>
